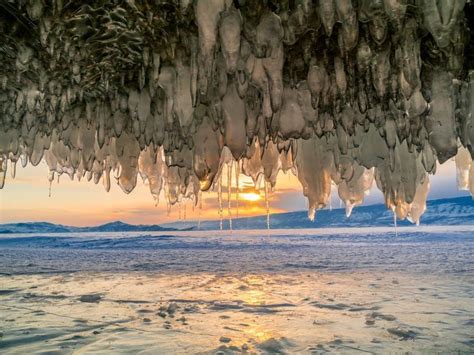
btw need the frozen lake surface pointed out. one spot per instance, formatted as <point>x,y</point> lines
<point>282,291</point>
<point>415,249</point>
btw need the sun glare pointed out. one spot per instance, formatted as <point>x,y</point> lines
<point>250,196</point>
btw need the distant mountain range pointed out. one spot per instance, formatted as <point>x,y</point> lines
<point>452,211</point>
<point>45,227</point>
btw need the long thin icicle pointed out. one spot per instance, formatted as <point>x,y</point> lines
<point>395,223</point>
<point>237,187</point>
<point>219,199</point>
<point>199,210</point>
<point>229,193</point>
<point>267,204</point>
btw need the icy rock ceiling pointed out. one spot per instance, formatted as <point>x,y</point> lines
<point>343,92</point>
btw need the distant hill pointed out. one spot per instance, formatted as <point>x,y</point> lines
<point>119,226</point>
<point>45,227</point>
<point>34,227</point>
<point>452,211</point>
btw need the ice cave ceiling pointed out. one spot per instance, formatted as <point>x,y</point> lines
<point>343,92</point>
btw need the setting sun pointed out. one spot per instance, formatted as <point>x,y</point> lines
<point>250,196</point>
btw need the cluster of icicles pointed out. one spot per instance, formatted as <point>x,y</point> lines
<point>343,92</point>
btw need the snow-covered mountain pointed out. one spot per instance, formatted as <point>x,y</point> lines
<point>452,211</point>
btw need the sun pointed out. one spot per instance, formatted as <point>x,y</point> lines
<point>250,196</point>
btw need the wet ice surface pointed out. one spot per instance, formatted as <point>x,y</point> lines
<point>369,291</point>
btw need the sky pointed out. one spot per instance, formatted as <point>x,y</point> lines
<point>82,203</point>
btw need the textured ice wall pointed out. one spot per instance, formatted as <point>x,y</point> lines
<point>343,92</point>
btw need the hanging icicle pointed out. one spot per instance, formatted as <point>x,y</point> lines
<point>219,199</point>
<point>237,187</point>
<point>267,204</point>
<point>335,93</point>
<point>199,210</point>
<point>229,193</point>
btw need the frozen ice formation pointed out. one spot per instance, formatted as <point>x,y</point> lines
<point>339,92</point>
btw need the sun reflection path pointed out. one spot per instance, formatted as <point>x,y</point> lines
<point>256,296</point>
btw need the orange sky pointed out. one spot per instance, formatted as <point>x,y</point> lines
<point>25,198</point>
